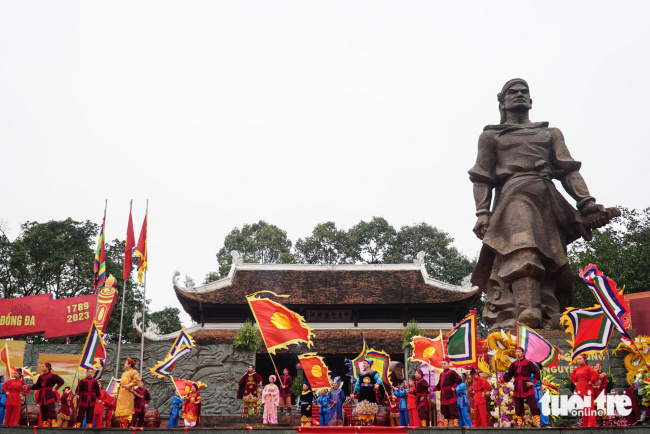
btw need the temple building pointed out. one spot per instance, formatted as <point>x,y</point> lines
<point>337,301</point>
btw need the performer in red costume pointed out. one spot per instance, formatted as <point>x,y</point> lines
<point>520,370</point>
<point>104,400</point>
<point>88,393</point>
<point>601,420</point>
<point>584,377</point>
<point>14,388</point>
<point>285,391</point>
<point>422,394</point>
<point>47,384</point>
<point>480,387</point>
<point>249,389</point>
<point>447,383</point>
<point>140,402</point>
<point>64,416</point>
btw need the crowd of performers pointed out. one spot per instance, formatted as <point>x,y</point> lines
<point>408,403</point>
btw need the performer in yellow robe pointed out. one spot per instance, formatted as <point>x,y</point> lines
<point>130,379</point>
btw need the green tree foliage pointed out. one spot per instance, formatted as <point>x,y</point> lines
<point>258,243</point>
<point>442,260</point>
<point>621,250</point>
<point>168,319</point>
<point>49,257</point>
<point>326,245</point>
<point>373,240</point>
<point>247,337</point>
<point>57,257</point>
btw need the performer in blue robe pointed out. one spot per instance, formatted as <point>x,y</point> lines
<point>3,399</point>
<point>175,411</point>
<point>335,399</point>
<point>543,420</point>
<point>322,411</point>
<point>462,404</point>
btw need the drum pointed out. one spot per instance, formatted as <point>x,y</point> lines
<point>382,418</point>
<point>396,370</point>
<point>152,419</point>
<point>29,415</point>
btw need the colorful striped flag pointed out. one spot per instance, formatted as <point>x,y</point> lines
<point>94,352</point>
<point>380,361</point>
<point>460,342</point>
<point>610,299</point>
<point>128,247</point>
<point>183,340</point>
<point>141,250</point>
<point>99,264</point>
<point>113,387</point>
<point>590,330</point>
<point>181,346</point>
<point>536,348</point>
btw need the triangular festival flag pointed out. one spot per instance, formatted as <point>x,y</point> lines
<point>610,298</point>
<point>536,348</point>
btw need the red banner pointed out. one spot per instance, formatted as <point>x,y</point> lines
<point>26,316</point>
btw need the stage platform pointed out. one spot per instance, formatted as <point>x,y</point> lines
<point>333,430</point>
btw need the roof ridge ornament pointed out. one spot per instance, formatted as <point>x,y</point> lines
<point>237,258</point>
<point>189,285</point>
<point>419,258</point>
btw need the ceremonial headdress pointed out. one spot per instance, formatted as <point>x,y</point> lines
<point>131,362</point>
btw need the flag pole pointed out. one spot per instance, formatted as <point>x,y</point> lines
<point>104,242</point>
<point>496,376</point>
<point>119,342</point>
<point>144,292</point>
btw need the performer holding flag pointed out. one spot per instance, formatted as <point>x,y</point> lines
<point>447,383</point>
<point>521,370</point>
<point>124,407</point>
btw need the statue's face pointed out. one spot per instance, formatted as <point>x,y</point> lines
<point>517,97</point>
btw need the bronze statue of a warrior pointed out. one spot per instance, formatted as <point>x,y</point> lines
<point>523,220</point>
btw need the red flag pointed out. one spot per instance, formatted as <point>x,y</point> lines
<point>182,386</point>
<point>130,244</point>
<point>141,250</point>
<point>315,370</point>
<point>4,357</point>
<point>429,351</point>
<point>278,325</point>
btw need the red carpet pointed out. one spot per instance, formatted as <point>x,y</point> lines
<point>352,430</point>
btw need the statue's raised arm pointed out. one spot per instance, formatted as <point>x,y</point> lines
<point>523,220</point>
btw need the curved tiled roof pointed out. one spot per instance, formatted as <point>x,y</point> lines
<point>328,285</point>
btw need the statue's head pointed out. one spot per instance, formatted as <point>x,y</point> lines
<point>515,95</point>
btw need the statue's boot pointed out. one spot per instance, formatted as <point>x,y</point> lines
<point>527,292</point>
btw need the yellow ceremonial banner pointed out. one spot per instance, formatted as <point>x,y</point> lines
<point>16,354</point>
<point>63,365</point>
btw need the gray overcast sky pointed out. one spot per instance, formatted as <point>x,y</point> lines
<point>299,112</point>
